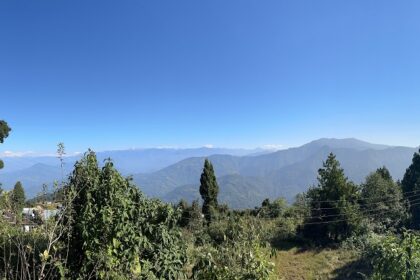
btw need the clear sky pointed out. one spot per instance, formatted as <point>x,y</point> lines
<point>122,74</point>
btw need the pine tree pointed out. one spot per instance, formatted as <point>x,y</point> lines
<point>411,186</point>
<point>18,198</point>
<point>333,203</point>
<point>209,190</point>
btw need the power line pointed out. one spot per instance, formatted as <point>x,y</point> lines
<point>362,211</point>
<point>410,199</point>
<point>339,200</point>
<point>364,204</point>
<point>343,220</point>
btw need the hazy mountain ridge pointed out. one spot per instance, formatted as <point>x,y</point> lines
<point>33,171</point>
<point>245,180</point>
<point>282,173</point>
<point>246,196</point>
<point>128,161</point>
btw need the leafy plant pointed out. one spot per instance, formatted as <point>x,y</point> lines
<point>396,257</point>
<point>234,253</point>
<point>114,231</point>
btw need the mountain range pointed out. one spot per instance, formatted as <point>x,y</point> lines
<point>246,177</point>
<point>34,171</point>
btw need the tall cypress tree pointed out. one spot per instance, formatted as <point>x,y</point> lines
<point>411,187</point>
<point>209,189</point>
<point>18,198</point>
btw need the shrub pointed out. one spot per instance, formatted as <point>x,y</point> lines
<point>235,251</point>
<point>395,257</point>
<point>114,232</point>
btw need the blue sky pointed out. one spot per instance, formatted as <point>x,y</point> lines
<point>121,74</point>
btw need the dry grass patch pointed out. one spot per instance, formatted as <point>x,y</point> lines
<point>295,263</point>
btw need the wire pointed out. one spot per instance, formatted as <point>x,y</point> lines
<point>362,211</point>
<point>417,192</point>
<point>408,199</point>
<point>343,220</point>
<point>364,204</point>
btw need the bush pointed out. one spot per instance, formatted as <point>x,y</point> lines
<point>22,253</point>
<point>395,257</point>
<point>238,261</point>
<point>114,232</point>
<point>234,250</point>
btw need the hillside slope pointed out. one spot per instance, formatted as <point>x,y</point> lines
<point>282,173</point>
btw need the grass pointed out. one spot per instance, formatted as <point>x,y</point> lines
<point>296,263</point>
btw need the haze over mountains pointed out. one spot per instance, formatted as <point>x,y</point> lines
<point>33,171</point>
<point>246,177</point>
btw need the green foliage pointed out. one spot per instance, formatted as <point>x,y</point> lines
<point>333,203</point>
<point>395,257</point>
<point>273,209</point>
<point>23,253</point>
<point>5,202</point>
<point>191,215</point>
<point>18,199</point>
<point>117,233</point>
<point>61,151</point>
<point>209,189</point>
<point>4,130</point>
<point>4,133</point>
<point>411,186</point>
<point>382,201</point>
<point>235,252</point>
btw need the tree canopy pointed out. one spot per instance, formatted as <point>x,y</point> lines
<point>209,189</point>
<point>333,203</point>
<point>4,133</point>
<point>383,198</point>
<point>18,198</point>
<point>411,187</point>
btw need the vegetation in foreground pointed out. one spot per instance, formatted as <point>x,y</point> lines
<point>107,229</point>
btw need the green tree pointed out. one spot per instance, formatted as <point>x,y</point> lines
<point>18,198</point>
<point>411,187</point>
<point>4,130</point>
<point>209,189</point>
<point>114,232</point>
<point>382,200</point>
<point>273,209</point>
<point>334,213</point>
<point>191,215</point>
<point>4,133</point>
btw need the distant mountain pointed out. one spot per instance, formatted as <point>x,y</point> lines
<point>245,180</point>
<point>149,160</point>
<point>32,178</point>
<point>347,143</point>
<point>245,177</point>
<point>35,171</point>
<point>235,190</point>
